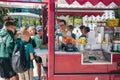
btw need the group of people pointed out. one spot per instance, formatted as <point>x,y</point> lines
<point>84,30</point>
<point>68,30</point>
<point>32,38</point>
<point>63,30</point>
<point>9,37</point>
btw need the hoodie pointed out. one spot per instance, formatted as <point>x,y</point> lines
<point>6,43</point>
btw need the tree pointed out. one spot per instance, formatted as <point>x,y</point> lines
<point>77,20</point>
<point>3,12</point>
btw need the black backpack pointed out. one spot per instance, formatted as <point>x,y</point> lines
<point>19,60</point>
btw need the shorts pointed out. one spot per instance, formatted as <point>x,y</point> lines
<point>6,70</point>
<point>38,59</point>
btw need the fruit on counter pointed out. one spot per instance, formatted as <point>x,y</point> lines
<point>113,22</point>
<point>103,42</point>
<point>69,40</point>
<point>82,40</point>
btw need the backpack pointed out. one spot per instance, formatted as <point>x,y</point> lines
<point>20,63</point>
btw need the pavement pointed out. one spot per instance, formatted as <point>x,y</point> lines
<point>43,54</point>
<point>35,73</point>
<point>43,77</point>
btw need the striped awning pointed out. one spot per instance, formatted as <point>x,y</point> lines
<point>95,2</point>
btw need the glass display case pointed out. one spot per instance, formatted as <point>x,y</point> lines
<point>96,57</point>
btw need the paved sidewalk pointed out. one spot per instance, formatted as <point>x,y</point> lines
<point>35,73</point>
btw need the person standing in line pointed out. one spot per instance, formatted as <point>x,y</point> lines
<point>32,32</point>
<point>29,50</point>
<point>6,49</point>
<point>23,28</point>
<point>38,59</point>
<point>38,38</point>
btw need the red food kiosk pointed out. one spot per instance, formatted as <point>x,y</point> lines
<point>70,65</point>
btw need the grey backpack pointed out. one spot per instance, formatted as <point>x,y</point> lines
<point>19,60</point>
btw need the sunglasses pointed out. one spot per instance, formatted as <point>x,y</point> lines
<point>62,25</point>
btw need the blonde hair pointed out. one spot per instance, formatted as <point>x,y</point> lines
<point>23,28</point>
<point>31,28</point>
<point>25,33</point>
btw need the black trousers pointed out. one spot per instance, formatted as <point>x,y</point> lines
<point>6,70</point>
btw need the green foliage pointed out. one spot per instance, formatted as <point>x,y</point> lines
<point>30,21</point>
<point>77,20</point>
<point>3,12</point>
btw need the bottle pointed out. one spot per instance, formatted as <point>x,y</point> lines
<point>56,43</point>
<point>118,47</point>
<point>77,38</point>
<point>115,43</point>
<point>69,33</point>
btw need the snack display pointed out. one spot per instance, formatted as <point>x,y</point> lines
<point>69,40</point>
<point>113,22</point>
<point>82,40</point>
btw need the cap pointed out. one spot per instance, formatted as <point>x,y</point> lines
<point>39,28</point>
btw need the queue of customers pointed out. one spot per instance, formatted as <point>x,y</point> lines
<point>9,37</point>
<point>32,38</point>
